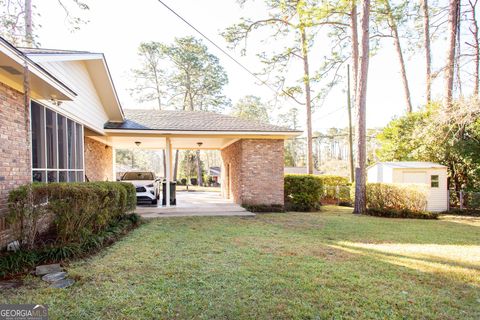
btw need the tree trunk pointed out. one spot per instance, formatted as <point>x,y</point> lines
<point>28,24</point>
<point>360,116</point>
<point>199,169</point>
<point>354,27</point>
<point>157,87</point>
<point>306,81</point>
<point>428,54</point>
<point>398,47</point>
<point>475,45</point>
<point>452,39</point>
<point>350,129</point>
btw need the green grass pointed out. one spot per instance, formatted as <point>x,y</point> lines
<point>330,264</point>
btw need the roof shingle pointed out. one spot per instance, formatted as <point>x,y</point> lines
<point>167,120</point>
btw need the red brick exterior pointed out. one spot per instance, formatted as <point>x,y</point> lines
<point>252,172</point>
<point>14,150</point>
<point>98,161</point>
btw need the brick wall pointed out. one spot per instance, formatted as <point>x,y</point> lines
<point>98,161</point>
<point>14,150</point>
<point>256,171</point>
<point>231,172</point>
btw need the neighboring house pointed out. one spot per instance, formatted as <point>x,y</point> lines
<point>61,119</point>
<point>215,173</point>
<point>432,175</point>
<point>299,170</point>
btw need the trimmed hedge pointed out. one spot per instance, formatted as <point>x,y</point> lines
<point>333,181</point>
<point>78,210</point>
<point>303,192</point>
<point>397,201</point>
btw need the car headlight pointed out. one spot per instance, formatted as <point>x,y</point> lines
<point>149,185</point>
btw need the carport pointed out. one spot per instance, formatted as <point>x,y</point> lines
<point>252,152</point>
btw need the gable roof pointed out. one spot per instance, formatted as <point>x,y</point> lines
<point>42,83</point>
<point>31,51</point>
<point>169,120</point>
<point>410,165</point>
<point>97,67</point>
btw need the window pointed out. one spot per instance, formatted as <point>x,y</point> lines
<point>138,176</point>
<point>57,147</point>
<point>434,181</point>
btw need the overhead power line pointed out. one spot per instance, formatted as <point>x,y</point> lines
<point>225,52</point>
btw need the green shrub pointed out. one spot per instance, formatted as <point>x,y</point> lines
<point>78,209</point>
<point>333,181</point>
<point>302,192</point>
<point>264,208</point>
<point>24,260</point>
<point>336,189</point>
<point>405,214</point>
<point>397,201</point>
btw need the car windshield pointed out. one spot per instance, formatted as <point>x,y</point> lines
<point>138,176</point>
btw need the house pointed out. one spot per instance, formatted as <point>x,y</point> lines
<point>61,119</point>
<point>299,170</point>
<point>432,175</point>
<point>215,173</point>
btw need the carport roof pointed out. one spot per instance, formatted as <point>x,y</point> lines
<point>168,120</point>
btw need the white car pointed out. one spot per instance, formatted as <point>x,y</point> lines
<point>146,184</point>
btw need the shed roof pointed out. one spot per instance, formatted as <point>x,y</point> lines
<point>169,120</point>
<point>411,165</point>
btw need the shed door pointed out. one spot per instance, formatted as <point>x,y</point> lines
<point>414,177</point>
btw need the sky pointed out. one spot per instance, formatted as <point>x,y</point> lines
<point>116,28</point>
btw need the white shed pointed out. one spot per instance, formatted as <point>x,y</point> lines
<point>433,175</point>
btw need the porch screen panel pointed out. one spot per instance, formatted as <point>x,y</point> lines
<point>71,144</point>
<point>51,128</point>
<point>79,146</point>
<point>38,136</point>
<point>57,146</point>
<point>62,142</point>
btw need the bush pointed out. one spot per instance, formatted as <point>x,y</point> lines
<point>333,181</point>
<point>302,192</point>
<point>336,189</point>
<point>24,260</point>
<point>397,201</point>
<point>405,214</point>
<point>78,209</point>
<point>262,208</point>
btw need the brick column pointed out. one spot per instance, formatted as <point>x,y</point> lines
<point>256,171</point>
<point>98,161</point>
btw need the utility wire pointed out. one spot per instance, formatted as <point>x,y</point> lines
<point>225,52</point>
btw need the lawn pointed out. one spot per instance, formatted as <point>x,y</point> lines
<point>330,264</point>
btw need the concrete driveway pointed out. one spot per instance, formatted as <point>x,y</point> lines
<point>195,204</point>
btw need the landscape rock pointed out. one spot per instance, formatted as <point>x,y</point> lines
<point>61,284</point>
<point>55,276</point>
<point>10,284</point>
<point>48,268</point>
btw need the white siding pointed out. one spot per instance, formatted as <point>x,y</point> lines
<point>86,107</point>
<point>373,173</point>
<point>437,197</point>
<point>379,173</point>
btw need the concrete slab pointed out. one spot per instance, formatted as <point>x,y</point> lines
<point>194,204</point>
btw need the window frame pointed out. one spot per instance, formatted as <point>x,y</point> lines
<point>44,171</point>
<point>434,182</point>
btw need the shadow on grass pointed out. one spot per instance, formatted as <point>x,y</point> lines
<point>461,263</point>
